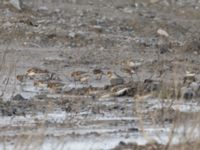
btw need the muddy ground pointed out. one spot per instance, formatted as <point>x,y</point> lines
<point>57,60</point>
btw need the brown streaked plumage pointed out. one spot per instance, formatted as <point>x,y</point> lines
<point>35,70</point>
<point>84,79</point>
<point>55,85</point>
<point>131,68</point>
<point>40,83</point>
<point>98,73</point>
<point>128,70</point>
<point>77,75</point>
<point>21,78</point>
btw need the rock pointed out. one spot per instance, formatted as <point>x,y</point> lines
<point>195,86</point>
<point>34,71</point>
<point>122,143</point>
<point>7,25</point>
<point>97,29</point>
<point>151,85</point>
<point>162,32</point>
<point>72,34</point>
<point>133,65</point>
<point>116,81</point>
<point>16,4</point>
<point>133,129</point>
<point>68,108</point>
<point>163,50</point>
<point>192,46</point>
<point>189,78</point>
<point>18,97</point>
<point>187,93</point>
<point>6,112</point>
<point>122,92</point>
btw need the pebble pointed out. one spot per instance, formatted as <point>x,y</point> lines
<point>72,34</point>
<point>133,129</point>
<point>195,86</point>
<point>116,81</point>
<point>189,78</point>
<point>162,32</point>
<point>134,65</point>
<point>121,92</point>
<point>16,4</point>
<point>19,97</point>
<point>187,93</point>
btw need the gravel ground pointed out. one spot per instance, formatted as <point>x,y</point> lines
<point>98,73</point>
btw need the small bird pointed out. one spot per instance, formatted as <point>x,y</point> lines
<point>115,79</point>
<point>133,65</point>
<point>128,70</point>
<point>40,83</point>
<point>98,73</point>
<point>84,79</point>
<point>53,76</point>
<point>77,74</point>
<point>131,68</point>
<point>21,78</point>
<point>80,76</point>
<point>55,86</point>
<point>34,71</point>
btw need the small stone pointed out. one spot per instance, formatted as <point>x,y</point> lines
<point>72,34</point>
<point>116,81</point>
<point>122,92</point>
<point>162,32</point>
<point>164,50</point>
<point>195,86</point>
<point>16,4</point>
<point>187,93</point>
<point>122,143</point>
<point>7,25</point>
<point>98,29</point>
<point>133,65</point>
<point>68,108</point>
<point>133,129</point>
<point>151,85</point>
<point>189,78</point>
<point>19,97</point>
